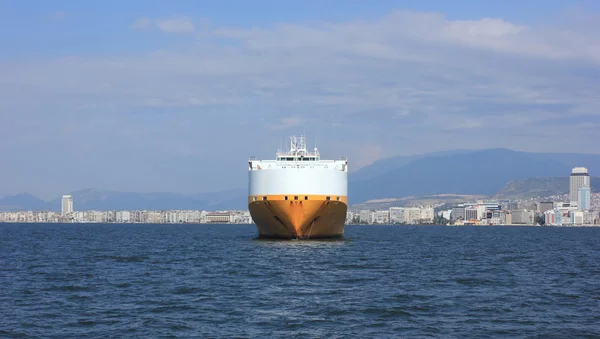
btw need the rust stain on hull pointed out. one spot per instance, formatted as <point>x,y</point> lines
<point>309,217</point>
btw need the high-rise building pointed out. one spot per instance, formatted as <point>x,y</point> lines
<point>471,213</point>
<point>66,204</point>
<point>583,198</point>
<point>544,206</point>
<point>522,217</point>
<point>579,178</point>
<point>458,213</point>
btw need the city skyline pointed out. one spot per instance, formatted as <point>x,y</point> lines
<point>555,211</point>
<point>578,207</point>
<point>144,97</point>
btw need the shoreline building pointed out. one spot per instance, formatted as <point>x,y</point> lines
<point>66,204</point>
<point>544,206</point>
<point>583,198</point>
<point>579,179</point>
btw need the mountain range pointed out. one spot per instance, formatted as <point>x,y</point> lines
<point>462,172</point>
<point>466,172</point>
<point>107,200</point>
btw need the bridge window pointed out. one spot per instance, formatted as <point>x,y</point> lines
<point>254,198</point>
<point>264,198</point>
<point>296,197</point>
<point>338,198</point>
<point>328,198</point>
<point>306,197</point>
<point>285,197</point>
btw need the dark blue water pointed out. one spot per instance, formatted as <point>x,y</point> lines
<point>114,281</point>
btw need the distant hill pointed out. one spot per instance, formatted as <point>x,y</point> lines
<point>461,172</point>
<point>18,201</point>
<point>108,200</point>
<point>426,200</point>
<point>539,187</point>
<point>382,166</point>
<point>467,172</point>
<point>225,200</point>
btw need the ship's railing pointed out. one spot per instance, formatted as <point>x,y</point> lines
<point>297,154</point>
<point>320,161</point>
<point>274,164</point>
<point>289,163</point>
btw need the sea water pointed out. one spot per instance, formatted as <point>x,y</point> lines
<point>116,281</point>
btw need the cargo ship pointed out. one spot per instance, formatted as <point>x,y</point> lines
<point>298,195</point>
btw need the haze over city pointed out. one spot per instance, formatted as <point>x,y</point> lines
<point>174,96</point>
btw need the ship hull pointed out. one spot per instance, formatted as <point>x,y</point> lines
<point>299,216</point>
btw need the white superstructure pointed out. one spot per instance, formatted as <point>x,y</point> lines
<point>298,172</point>
<point>298,195</point>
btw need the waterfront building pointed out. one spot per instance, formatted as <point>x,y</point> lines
<point>66,204</point>
<point>225,218</point>
<point>579,178</point>
<point>471,213</point>
<point>550,217</point>
<point>583,198</point>
<point>544,206</point>
<point>458,213</point>
<point>522,217</point>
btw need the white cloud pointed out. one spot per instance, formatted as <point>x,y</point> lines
<point>59,15</point>
<point>407,83</point>
<point>286,123</point>
<point>176,25</point>
<point>141,23</point>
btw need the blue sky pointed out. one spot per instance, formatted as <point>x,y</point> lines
<point>175,95</point>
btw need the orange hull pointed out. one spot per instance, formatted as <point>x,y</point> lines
<point>302,217</point>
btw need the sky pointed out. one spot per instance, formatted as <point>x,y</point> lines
<point>174,96</point>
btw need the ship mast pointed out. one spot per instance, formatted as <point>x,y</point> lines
<point>298,148</point>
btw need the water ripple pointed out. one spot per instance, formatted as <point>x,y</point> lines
<point>113,281</point>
